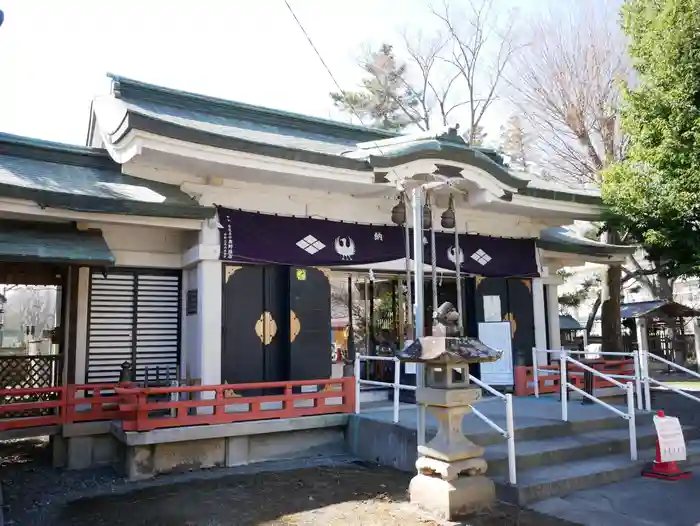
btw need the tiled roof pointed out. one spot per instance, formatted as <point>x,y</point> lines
<point>84,179</point>
<point>237,126</point>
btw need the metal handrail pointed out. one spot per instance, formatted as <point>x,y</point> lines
<point>396,384</point>
<point>629,416</point>
<point>672,364</point>
<point>508,432</point>
<point>647,379</point>
<point>675,390</point>
<point>637,378</point>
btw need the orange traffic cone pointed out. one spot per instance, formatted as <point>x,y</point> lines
<point>664,470</point>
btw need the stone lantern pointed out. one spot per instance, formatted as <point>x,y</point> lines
<point>451,479</point>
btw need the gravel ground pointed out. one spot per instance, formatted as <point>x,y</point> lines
<point>31,486</point>
<point>315,492</point>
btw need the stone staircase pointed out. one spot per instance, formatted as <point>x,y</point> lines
<point>553,458</point>
<point>559,459</point>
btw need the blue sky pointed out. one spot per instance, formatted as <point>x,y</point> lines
<point>54,54</point>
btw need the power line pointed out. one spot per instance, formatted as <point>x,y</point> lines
<point>335,81</point>
<point>320,58</point>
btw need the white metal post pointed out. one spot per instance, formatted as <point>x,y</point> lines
<point>433,276</point>
<point>418,295</point>
<point>563,380</point>
<point>397,391</point>
<point>643,348</point>
<point>638,380</point>
<point>409,295</point>
<point>632,421</point>
<point>510,429</point>
<point>535,373</point>
<point>357,384</point>
<point>647,389</point>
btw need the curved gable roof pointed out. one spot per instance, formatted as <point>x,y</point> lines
<point>212,121</point>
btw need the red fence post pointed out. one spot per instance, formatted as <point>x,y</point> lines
<point>349,393</point>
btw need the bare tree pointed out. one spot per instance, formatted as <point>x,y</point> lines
<point>482,45</point>
<point>442,77</point>
<point>29,306</point>
<point>567,84</point>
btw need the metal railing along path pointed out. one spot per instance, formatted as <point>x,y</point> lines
<point>395,385</point>
<point>629,388</point>
<point>508,432</point>
<point>647,379</point>
<point>637,378</point>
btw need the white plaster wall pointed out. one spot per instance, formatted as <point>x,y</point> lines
<point>342,207</point>
<point>140,246</point>
<point>290,200</point>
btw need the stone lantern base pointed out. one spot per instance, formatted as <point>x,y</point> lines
<point>452,499</point>
<point>450,481</point>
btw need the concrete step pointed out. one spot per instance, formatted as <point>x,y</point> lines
<point>546,429</point>
<point>565,478</point>
<point>374,394</point>
<point>532,454</point>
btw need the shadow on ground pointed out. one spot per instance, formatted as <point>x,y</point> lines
<point>263,498</point>
<point>351,494</point>
<point>344,493</point>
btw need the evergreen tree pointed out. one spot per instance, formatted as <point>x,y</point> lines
<point>655,191</point>
<point>385,99</point>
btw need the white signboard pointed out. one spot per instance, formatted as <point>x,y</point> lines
<point>492,308</point>
<point>670,435</point>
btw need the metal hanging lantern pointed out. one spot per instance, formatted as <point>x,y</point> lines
<point>427,213</point>
<point>448,218</point>
<point>398,212</point>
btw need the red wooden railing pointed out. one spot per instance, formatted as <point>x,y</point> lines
<point>91,403</point>
<point>142,409</point>
<point>549,381</point>
<point>31,407</point>
<point>224,404</point>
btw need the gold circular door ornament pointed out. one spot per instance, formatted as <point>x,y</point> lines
<point>266,328</point>
<point>294,326</point>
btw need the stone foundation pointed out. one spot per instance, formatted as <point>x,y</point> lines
<point>448,499</point>
<point>147,454</point>
<point>85,445</point>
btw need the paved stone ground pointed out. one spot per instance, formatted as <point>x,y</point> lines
<point>320,491</point>
<point>637,502</point>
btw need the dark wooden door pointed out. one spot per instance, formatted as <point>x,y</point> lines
<point>275,355</point>
<point>447,291</point>
<point>516,307</point>
<point>521,315</point>
<point>309,323</point>
<point>243,307</point>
